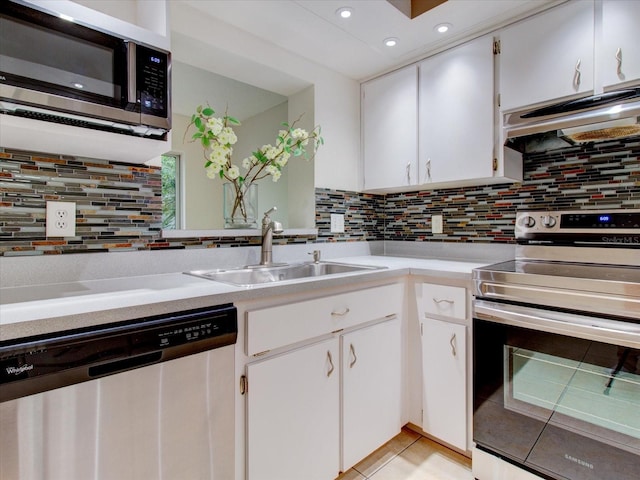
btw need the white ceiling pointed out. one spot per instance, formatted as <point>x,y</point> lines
<point>354,47</point>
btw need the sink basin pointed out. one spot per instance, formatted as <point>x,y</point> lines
<point>248,276</point>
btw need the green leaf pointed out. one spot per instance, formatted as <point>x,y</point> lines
<point>196,135</point>
<point>206,142</point>
<point>208,162</point>
<point>285,124</point>
<point>260,156</point>
<point>232,120</point>
<point>199,109</point>
<point>298,152</point>
<point>207,112</point>
<point>198,123</point>
<point>221,173</point>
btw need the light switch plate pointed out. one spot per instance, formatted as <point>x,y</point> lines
<point>436,224</point>
<point>61,219</point>
<point>337,223</point>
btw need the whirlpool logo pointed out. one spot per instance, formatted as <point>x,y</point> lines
<point>579,461</point>
<point>19,370</point>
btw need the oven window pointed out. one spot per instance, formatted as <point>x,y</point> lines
<point>602,390</point>
<point>565,407</point>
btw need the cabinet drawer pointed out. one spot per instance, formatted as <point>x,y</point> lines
<point>441,300</point>
<point>275,327</point>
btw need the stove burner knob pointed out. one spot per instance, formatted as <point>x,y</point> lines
<point>528,221</point>
<point>549,221</point>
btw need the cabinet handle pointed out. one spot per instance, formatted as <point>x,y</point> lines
<point>353,354</point>
<point>443,300</point>
<point>331,367</point>
<point>577,74</point>
<point>619,60</point>
<point>427,170</point>
<point>452,342</point>
<point>341,313</point>
<point>409,173</point>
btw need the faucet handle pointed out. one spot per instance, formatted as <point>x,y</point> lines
<point>271,210</point>
<point>316,255</point>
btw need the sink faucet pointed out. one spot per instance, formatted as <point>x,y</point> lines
<point>269,227</point>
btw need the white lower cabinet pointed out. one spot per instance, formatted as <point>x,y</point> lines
<point>444,381</point>
<point>324,384</point>
<point>371,389</point>
<point>293,415</point>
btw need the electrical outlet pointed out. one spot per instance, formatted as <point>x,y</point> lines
<point>61,219</point>
<point>436,224</point>
<point>337,223</point>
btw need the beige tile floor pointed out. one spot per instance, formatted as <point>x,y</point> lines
<point>410,456</point>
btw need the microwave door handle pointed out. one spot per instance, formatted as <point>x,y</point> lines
<point>132,62</point>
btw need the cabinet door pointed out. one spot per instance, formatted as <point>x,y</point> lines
<point>293,415</point>
<point>620,52</point>
<point>456,114</point>
<point>371,388</point>
<point>389,129</point>
<point>444,388</point>
<point>548,56</point>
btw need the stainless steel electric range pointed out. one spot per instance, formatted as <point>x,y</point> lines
<point>557,350</point>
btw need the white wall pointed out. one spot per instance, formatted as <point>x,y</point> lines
<point>302,201</point>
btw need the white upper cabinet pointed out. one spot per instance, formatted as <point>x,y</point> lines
<point>548,56</point>
<point>389,130</point>
<point>456,129</point>
<point>619,55</point>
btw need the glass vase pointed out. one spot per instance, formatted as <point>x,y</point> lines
<point>240,205</point>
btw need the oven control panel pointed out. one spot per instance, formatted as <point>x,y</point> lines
<point>615,227</point>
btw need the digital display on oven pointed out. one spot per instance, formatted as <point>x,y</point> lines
<point>600,220</point>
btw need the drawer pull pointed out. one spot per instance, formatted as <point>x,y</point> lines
<point>452,342</point>
<point>331,367</point>
<point>443,300</point>
<point>341,313</point>
<point>353,354</point>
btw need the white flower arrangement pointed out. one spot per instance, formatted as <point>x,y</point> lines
<point>217,138</point>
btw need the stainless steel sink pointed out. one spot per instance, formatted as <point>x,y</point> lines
<point>248,276</point>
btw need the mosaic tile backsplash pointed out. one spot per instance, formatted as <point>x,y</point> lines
<point>118,204</point>
<point>605,175</point>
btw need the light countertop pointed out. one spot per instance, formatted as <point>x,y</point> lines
<point>40,309</point>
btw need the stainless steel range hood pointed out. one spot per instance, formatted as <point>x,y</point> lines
<point>597,118</point>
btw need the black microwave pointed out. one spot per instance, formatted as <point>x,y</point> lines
<point>57,70</point>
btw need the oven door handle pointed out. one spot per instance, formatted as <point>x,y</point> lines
<point>569,324</point>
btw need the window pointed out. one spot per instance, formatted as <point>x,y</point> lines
<point>170,191</point>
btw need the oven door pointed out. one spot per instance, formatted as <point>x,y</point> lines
<point>557,393</point>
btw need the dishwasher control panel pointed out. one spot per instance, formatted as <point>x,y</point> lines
<point>38,364</point>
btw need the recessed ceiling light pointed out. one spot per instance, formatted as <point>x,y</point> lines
<point>442,27</point>
<point>391,41</point>
<point>344,12</point>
